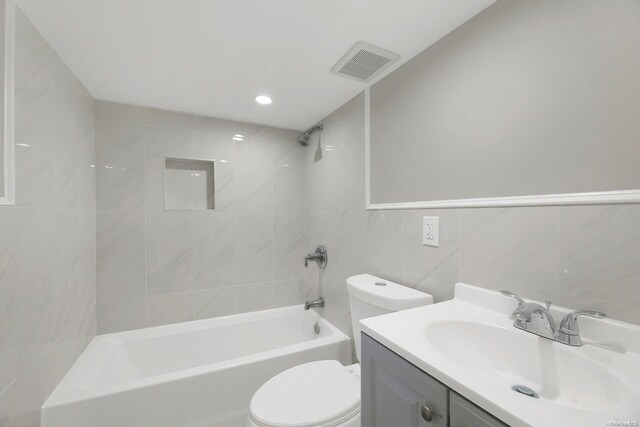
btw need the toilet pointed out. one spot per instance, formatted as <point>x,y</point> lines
<point>325,393</point>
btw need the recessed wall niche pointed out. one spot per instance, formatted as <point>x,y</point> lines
<point>188,184</point>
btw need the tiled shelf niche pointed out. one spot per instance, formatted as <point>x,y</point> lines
<point>188,184</point>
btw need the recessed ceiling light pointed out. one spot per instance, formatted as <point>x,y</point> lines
<point>237,135</point>
<point>264,99</point>
<point>237,138</point>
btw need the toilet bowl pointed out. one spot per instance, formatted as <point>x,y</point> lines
<point>326,393</point>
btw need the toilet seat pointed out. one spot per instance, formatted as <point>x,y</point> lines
<point>319,394</point>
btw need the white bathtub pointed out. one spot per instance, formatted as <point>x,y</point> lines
<point>200,373</point>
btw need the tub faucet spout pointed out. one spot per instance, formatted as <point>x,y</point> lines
<point>314,303</point>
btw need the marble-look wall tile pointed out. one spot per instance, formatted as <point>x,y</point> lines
<point>120,169</point>
<point>120,255</point>
<point>287,292</point>
<point>254,173</point>
<point>254,247</point>
<point>74,159</point>
<point>29,273</point>
<point>383,244</point>
<point>178,189</point>
<point>33,128</point>
<point>215,303</point>
<point>74,272</point>
<point>169,308</point>
<point>253,236</point>
<point>430,269</point>
<point>338,312</point>
<point>47,255</point>
<point>288,170</point>
<point>215,249</point>
<point>335,161</point>
<point>121,315</point>
<point>170,238</point>
<point>511,248</point>
<point>600,259</point>
<point>343,234</point>
<point>161,142</point>
<point>109,112</point>
<point>288,245</point>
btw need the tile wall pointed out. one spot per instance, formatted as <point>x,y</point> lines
<point>157,266</point>
<point>47,241</point>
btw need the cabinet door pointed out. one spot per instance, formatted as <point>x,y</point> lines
<point>394,391</point>
<point>465,414</point>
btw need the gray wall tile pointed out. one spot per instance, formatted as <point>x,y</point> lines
<point>201,261</point>
<point>47,256</point>
<point>511,248</point>
<point>600,259</point>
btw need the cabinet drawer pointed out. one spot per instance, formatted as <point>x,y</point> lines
<point>465,414</point>
<point>396,393</point>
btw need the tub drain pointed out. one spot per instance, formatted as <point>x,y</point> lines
<point>523,389</point>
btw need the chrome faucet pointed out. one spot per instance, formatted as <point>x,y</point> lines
<point>536,319</point>
<point>320,256</point>
<point>319,302</point>
<point>569,333</point>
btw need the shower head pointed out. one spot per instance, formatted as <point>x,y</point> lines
<point>303,138</point>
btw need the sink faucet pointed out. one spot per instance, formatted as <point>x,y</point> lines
<point>533,317</point>
<point>569,332</point>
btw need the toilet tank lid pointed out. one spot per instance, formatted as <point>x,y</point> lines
<point>386,294</point>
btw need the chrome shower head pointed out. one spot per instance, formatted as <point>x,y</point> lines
<point>303,138</point>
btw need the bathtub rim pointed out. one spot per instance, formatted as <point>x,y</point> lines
<point>73,394</point>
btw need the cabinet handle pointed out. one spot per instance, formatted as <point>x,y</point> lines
<point>427,413</point>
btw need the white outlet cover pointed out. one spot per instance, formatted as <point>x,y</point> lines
<point>431,231</point>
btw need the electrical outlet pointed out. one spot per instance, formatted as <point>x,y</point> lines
<point>431,231</point>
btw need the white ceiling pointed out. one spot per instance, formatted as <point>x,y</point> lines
<point>212,57</point>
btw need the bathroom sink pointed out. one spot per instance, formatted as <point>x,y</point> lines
<point>469,343</point>
<point>559,374</point>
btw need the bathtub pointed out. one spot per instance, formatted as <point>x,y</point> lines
<point>200,373</point>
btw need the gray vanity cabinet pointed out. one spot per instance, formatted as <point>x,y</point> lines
<point>465,414</point>
<point>397,394</point>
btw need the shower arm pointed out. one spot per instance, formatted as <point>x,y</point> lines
<point>303,138</point>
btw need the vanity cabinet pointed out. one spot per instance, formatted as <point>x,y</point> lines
<point>397,393</point>
<point>463,413</point>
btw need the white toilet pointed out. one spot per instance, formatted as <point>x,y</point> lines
<point>326,393</point>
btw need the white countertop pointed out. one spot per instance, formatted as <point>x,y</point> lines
<point>469,344</point>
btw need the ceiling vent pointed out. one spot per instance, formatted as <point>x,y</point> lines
<point>364,61</point>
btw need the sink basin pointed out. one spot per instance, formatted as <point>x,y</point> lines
<point>470,344</point>
<point>561,375</point>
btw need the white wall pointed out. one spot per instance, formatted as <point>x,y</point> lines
<point>47,241</point>
<point>156,266</point>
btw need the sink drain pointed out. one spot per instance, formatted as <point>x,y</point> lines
<point>523,389</point>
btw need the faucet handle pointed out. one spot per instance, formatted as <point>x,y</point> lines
<point>569,323</point>
<point>512,295</point>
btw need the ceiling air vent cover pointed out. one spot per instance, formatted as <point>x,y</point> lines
<point>364,61</point>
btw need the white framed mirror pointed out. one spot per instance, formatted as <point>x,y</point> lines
<point>7,151</point>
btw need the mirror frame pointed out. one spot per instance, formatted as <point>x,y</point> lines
<point>8,197</point>
<point>600,197</point>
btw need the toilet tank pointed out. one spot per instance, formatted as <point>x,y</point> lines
<point>372,296</point>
